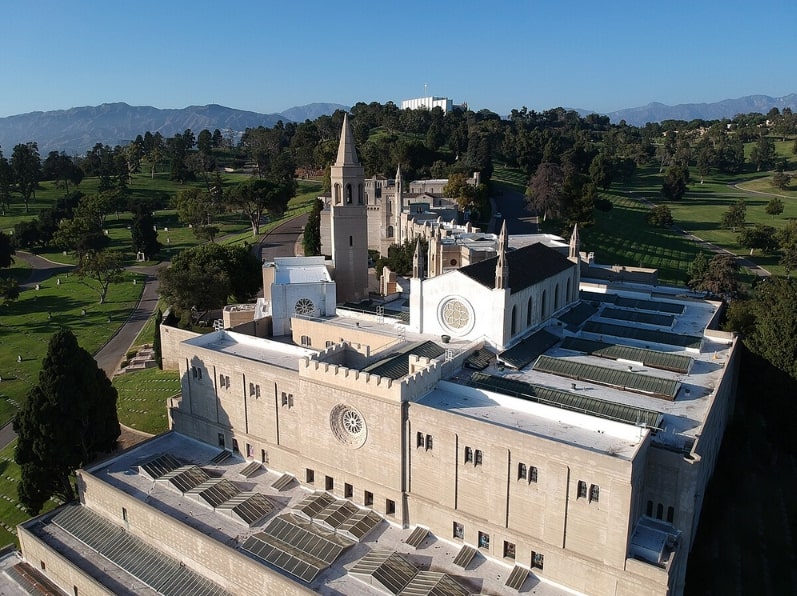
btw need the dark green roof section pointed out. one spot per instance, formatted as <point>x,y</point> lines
<point>611,377</point>
<point>373,308</point>
<point>397,365</point>
<point>638,303</point>
<point>661,360</point>
<point>566,400</point>
<point>479,359</point>
<point>576,316</point>
<point>525,351</point>
<point>644,335</point>
<point>635,316</point>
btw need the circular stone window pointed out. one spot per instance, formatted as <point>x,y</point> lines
<point>457,316</point>
<point>304,306</point>
<point>348,426</point>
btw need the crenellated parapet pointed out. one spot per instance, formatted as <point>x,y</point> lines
<point>424,375</point>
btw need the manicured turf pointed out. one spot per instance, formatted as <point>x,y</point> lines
<point>142,398</point>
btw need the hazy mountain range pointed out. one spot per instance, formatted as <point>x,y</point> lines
<point>78,129</point>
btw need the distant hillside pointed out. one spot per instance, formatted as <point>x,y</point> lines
<point>728,108</point>
<point>78,129</point>
<point>311,111</point>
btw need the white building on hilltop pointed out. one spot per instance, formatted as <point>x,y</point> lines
<point>428,103</point>
<point>513,429</point>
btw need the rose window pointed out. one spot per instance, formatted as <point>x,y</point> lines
<point>304,306</point>
<point>348,426</point>
<point>455,314</point>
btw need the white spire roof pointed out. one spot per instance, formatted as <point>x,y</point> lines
<point>347,154</point>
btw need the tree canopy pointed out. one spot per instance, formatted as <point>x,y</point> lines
<point>68,418</point>
<point>207,276</point>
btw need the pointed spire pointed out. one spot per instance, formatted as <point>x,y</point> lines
<point>502,265</point>
<point>347,154</point>
<point>417,261</point>
<point>575,243</point>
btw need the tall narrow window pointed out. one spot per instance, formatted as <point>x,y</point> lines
<point>649,509</point>
<point>521,471</point>
<point>478,461</point>
<point>670,514</point>
<point>468,455</point>
<point>513,329</point>
<point>484,540</point>
<point>532,474</point>
<point>124,514</point>
<point>509,550</point>
<point>594,493</point>
<point>419,441</point>
<point>528,313</point>
<point>582,489</point>
<point>659,511</point>
<point>309,476</point>
<point>235,445</point>
<point>368,498</point>
<point>329,483</point>
<point>537,560</point>
<point>459,530</point>
<point>428,442</point>
<point>390,507</point>
<point>351,240</point>
<point>348,491</point>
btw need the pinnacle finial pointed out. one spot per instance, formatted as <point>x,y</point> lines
<point>347,154</point>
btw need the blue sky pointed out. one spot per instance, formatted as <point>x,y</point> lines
<point>267,56</point>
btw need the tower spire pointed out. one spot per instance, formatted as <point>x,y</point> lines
<point>417,261</point>
<point>575,244</point>
<point>502,266</point>
<point>347,154</point>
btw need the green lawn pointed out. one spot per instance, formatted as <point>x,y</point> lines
<point>142,398</point>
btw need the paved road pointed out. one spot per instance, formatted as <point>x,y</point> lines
<point>284,240</point>
<point>520,219</point>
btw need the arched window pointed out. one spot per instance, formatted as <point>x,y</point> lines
<point>659,511</point>
<point>337,194</point>
<point>556,298</point>
<point>351,240</point>
<point>360,194</point>
<point>348,194</point>
<point>544,305</point>
<point>528,313</point>
<point>514,320</point>
<point>390,231</point>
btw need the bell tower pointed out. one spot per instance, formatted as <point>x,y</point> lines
<point>349,221</point>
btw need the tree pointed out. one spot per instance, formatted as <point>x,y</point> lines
<point>675,182</point>
<point>758,237</point>
<point>735,215</point>
<point>762,155</point>
<point>156,340</point>
<point>9,287</point>
<point>68,418</point>
<point>311,240</point>
<point>102,268</point>
<point>602,170</point>
<point>6,183</point>
<point>60,168</point>
<point>198,209</point>
<point>256,197</point>
<point>781,180</point>
<point>205,277</point>
<point>720,277</point>
<point>26,165</point>
<point>544,192</point>
<point>774,335</point>
<point>661,216</point>
<point>774,207</point>
<point>143,232</point>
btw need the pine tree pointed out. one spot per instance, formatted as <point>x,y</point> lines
<point>156,342</point>
<point>68,418</point>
